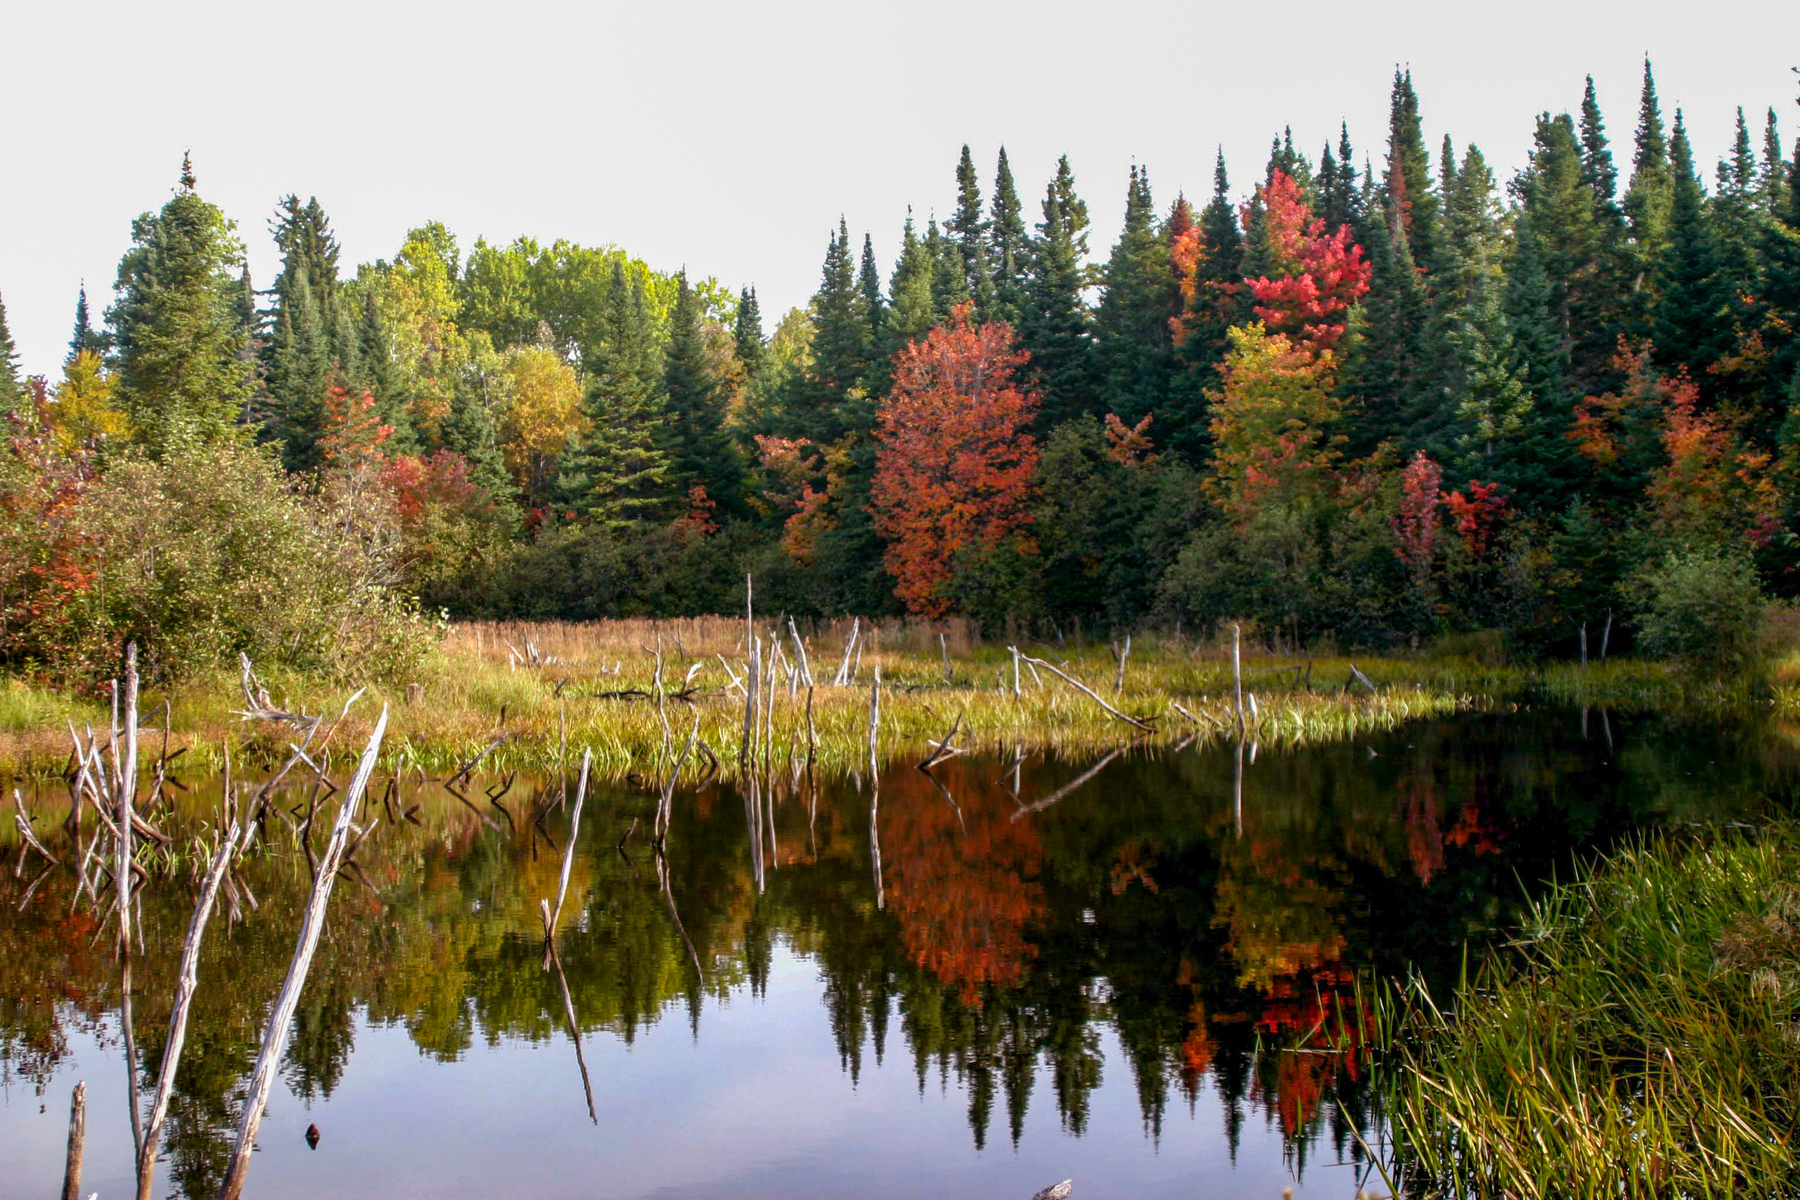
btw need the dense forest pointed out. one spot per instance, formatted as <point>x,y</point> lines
<point>1375,399</point>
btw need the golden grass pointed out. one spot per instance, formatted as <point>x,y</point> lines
<point>557,688</point>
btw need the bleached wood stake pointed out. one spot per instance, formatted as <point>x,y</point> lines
<point>1015,670</point>
<point>1119,679</point>
<point>126,784</point>
<point>944,646</point>
<point>1237,675</point>
<point>874,722</point>
<point>187,982</point>
<point>71,1189</point>
<point>281,1018</point>
<point>843,674</point>
<point>562,890</point>
<point>800,655</point>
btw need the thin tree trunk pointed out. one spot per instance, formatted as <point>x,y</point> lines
<point>71,1189</point>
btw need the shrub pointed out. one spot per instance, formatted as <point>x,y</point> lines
<point>212,550</point>
<point>1703,608</point>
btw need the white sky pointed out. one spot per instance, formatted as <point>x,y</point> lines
<point>728,137</point>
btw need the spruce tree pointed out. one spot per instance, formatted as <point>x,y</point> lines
<point>617,475</point>
<point>1531,314</point>
<point>1772,173</point>
<point>1691,309</point>
<point>1600,175</point>
<point>1218,301</point>
<point>911,313</point>
<point>1649,197</point>
<point>949,277</point>
<point>178,326</point>
<point>874,312</point>
<point>301,354</point>
<point>1389,364</point>
<point>1348,189</point>
<point>747,335</point>
<point>377,371</point>
<point>1009,246</point>
<point>1408,186</point>
<point>1131,326</point>
<point>1073,208</point>
<point>1574,254</point>
<point>970,229</point>
<point>700,449</point>
<point>11,386</point>
<point>840,347</point>
<point>1492,401</point>
<point>85,338</point>
<point>1055,326</point>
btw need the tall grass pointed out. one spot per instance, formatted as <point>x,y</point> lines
<point>1641,1038</point>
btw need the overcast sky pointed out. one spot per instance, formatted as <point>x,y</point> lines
<point>728,137</point>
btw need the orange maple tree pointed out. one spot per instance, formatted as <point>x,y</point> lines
<point>954,461</point>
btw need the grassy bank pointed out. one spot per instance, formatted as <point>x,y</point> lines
<point>1642,1038</point>
<point>558,688</point>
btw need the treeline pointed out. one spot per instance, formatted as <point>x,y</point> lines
<point>1370,402</point>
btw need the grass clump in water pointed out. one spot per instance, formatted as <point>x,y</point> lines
<point>1642,1038</point>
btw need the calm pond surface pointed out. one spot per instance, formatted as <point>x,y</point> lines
<point>1145,983</point>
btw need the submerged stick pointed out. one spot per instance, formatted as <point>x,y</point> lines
<point>281,1018</point>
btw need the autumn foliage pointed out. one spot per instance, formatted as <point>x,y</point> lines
<point>954,462</point>
<point>1316,275</point>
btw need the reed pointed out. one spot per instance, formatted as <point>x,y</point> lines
<point>1641,1037</point>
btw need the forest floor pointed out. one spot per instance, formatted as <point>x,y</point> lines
<point>535,696</point>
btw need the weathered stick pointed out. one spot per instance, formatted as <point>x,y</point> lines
<point>186,983</point>
<point>1080,686</point>
<point>1237,675</point>
<point>843,674</point>
<point>24,822</point>
<point>127,789</point>
<point>562,890</point>
<point>874,723</point>
<point>1119,679</point>
<point>275,1033</point>
<point>943,748</point>
<point>1361,678</point>
<point>800,655</point>
<point>71,1189</point>
<point>944,646</point>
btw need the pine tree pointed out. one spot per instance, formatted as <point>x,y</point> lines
<point>377,372</point>
<point>85,337</point>
<point>1347,187</point>
<point>1690,312</point>
<point>1649,196</point>
<point>177,324</point>
<point>1491,400</point>
<point>700,449</point>
<point>1009,246</point>
<point>1055,327</point>
<point>1530,304</point>
<point>1408,187</point>
<point>1132,340</point>
<point>1388,360</point>
<point>11,385</point>
<point>970,229</point>
<point>301,353</point>
<point>747,335</point>
<point>1611,287</point>
<point>1073,208</point>
<point>618,473</point>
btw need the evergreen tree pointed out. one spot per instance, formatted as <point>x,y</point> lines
<point>1491,398</point>
<point>840,347</point>
<point>1410,195</point>
<point>912,312</point>
<point>1611,287</point>
<point>1347,189</point>
<point>1009,246</point>
<point>949,278</point>
<point>1073,208</point>
<point>1216,301</point>
<point>1691,311</point>
<point>301,353</point>
<point>1389,366</point>
<point>1573,250</point>
<point>618,473</point>
<point>376,370</point>
<point>1530,305</point>
<point>1598,171</point>
<point>1649,196</point>
<point>1772,174</point>
<point>1333,207</point>
<point>700,448</point>
<point>178,326</point>
<point>1055,327</point>
<point>874,312</point>
<point>1132,340</point>
<point>11,385</point>
<point>747,335</point>
<point>970,229</point>
<point>85,338</point>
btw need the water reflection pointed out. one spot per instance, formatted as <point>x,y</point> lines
<point>1025,935</point>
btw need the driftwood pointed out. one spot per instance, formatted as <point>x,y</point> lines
<point>187,982</point>
<point>281,1018</point>
<point>800,655</point>
<point>1237,674</point>
<point>1080,686</point>
<point>71,1189</point>
<point>1056,1191</point>
<point>551,917</point>
<point>24,822</point>
<point>942,748</point>
<point>843,674</point>
<point>1359,678</point>
<point>1121,654</point>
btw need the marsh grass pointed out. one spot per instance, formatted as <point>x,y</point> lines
<point>528,679</point>
<point>1640,1038</point>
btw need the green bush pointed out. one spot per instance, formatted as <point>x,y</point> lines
<point>1702,608</point>
<point>213,550</point>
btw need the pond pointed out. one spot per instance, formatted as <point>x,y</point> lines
<point>1140,971</point>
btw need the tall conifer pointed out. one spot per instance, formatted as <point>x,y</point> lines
<point>1055,327</point>
<point>969,227</point>
<point>1009,246</point>
<point>700,449</point>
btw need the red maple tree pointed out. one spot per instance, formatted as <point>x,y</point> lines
<point>1316,275</point>
<point>954,462</point>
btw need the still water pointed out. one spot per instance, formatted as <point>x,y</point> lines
<point>1146,982</point>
